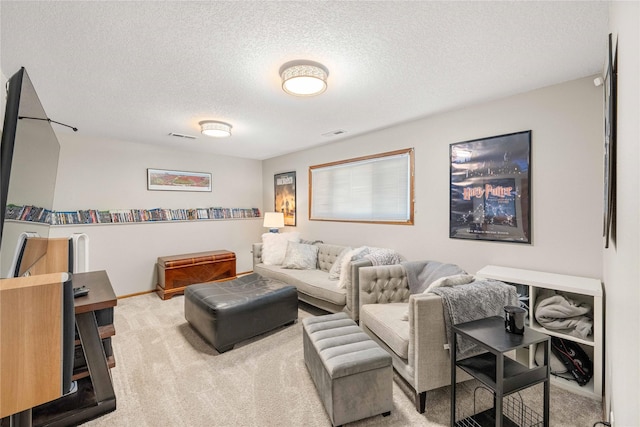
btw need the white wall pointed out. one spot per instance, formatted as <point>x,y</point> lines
<point>107,174</point>
<point>128,252</point>
<point>622,260</point>
<point>567,182</point>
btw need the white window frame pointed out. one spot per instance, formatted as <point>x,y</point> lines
<point>368,214</point>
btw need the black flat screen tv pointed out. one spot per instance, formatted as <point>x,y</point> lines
<point>29,152</point>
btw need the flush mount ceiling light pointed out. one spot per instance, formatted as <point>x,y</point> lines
<point>215,128</point>
<point>304,78</point>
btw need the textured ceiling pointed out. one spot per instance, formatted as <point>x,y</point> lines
<point>136,71</point>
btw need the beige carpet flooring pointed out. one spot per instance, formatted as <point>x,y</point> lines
<point>167,375</point>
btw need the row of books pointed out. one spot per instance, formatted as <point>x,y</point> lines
<point>28,213</point>
<point>93,216</point>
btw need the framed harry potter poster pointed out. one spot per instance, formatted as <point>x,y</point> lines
<point>490,188</point>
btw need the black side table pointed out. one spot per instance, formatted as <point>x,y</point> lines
<point>500,374</point>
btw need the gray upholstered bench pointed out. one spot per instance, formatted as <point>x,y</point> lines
<point>225,313</point>
<point>352,374</point>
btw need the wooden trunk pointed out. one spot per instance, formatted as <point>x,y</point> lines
<point>177,272</point>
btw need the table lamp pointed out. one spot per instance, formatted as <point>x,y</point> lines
<point>273,221</point>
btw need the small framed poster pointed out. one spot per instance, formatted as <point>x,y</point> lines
<point>285,196</point>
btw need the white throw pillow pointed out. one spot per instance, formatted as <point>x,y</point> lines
<point>334,271</point>
<point>345,271</point>
<point>274,246</point>
<point>455,280</point>
<point>300,256</point>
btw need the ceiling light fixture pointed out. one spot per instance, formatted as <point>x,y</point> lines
<point>215,128</point>
<point>304,78</point>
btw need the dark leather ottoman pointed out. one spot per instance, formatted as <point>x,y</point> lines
<point>225,313</point>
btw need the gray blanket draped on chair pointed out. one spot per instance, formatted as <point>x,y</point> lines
<point>477,300</point>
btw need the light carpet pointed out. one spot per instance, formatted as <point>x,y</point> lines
<point>167,375</point>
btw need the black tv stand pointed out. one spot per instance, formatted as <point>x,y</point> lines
<point>94,395</point>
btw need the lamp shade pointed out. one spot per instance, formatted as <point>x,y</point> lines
<point>304,79</point>
<point>215,128</point>
<point>273,221</point>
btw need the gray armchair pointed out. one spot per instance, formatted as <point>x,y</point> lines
<point>417,344</point>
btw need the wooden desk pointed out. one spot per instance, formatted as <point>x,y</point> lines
<point>95,395</point>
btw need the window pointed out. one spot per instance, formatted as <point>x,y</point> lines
<point>376,188</point>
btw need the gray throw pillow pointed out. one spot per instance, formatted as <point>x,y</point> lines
<point>300,256</point>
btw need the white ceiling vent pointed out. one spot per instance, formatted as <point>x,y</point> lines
<point>334,133</point>
<point>181,135</point>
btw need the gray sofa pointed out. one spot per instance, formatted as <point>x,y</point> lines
<point>314,286</point>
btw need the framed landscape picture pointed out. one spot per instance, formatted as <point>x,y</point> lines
<point>490,188</point>
<point>170,180</point>
<point>285,196</point>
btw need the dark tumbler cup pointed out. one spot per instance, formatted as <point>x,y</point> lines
<point>514,319</point>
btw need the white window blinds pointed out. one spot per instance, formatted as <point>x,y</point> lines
<point>373,189</point>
